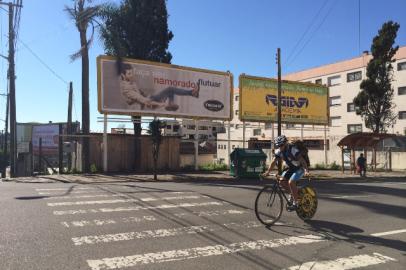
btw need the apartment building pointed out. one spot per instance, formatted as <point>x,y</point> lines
<point>343,79</point>
<point>207,130</point>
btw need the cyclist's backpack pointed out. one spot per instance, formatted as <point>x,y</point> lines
<point>304,152</point>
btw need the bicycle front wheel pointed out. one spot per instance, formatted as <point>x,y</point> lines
<point>268,205</point>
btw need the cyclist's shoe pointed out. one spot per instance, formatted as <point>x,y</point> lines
<point>291,207</point>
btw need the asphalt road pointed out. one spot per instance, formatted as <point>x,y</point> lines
<point>198,225</point>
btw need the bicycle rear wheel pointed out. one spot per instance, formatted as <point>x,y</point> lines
<point>308,203</point>
<point>268,205</point>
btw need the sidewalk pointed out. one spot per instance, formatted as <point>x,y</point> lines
<point>194,177</point>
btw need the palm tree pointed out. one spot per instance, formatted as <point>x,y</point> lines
<point>83,18</point>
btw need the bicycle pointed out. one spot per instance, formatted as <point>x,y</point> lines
<point>269,201</point>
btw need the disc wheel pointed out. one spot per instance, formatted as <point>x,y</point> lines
<point>308,203</point>
<point>268,205</point>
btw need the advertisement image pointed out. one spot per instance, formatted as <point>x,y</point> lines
<point>144,88</point>
<point>301,103</point>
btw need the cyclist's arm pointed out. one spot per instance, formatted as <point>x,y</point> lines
<point>273,163</point>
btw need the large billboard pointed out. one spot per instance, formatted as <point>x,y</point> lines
<point>49,133</point>
<point>148,88</point>
<point>301,103</point>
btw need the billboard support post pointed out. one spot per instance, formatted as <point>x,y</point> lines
<point>325,145</point>
<point>196,145</point>
<point>243,134</point>
<point>228,143</point>
<point>105,143</point>
<point>301,132</point>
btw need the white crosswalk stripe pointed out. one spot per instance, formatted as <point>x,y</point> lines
<point>101,222</point>
<point>193,253</point>
<point>212,213</point>
<point>149,199</point>
<point>352,262</point>
<point>94,239</point>
<point>94,195</point>
<point>136,208</point>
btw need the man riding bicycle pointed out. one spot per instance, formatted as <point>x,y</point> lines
<point>297,167</point>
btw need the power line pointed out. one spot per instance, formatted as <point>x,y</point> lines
<point>51,70</point>
<point>307,30</point>
<point>310,38</point>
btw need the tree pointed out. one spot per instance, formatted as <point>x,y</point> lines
<point>155,130</point>
<point>374,101</point>
<point>137,29</point>
<point>83,18</point>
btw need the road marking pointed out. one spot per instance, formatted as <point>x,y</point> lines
<point>136,208</point>
<point>62,189</point>
<point>96,195</point>
<point>149,199</point>
<point>213,213</point>
<point>352,262</point>
<point>107,238</point>
<point>73,192</point>
<point>388,233</point>
<point>101,222</point>
<point>198,252</point>
<point>348,196</point>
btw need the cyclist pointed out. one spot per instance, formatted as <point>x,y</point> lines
<point>297,167</point>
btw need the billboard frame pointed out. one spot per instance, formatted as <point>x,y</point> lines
<point>145,62</point>
<point>243,75</point>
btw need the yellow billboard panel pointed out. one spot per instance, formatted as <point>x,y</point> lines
<point>301,103</point>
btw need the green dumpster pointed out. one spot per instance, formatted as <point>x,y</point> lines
<point>247,162</point>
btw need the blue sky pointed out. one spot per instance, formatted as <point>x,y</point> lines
<point>235,35</point>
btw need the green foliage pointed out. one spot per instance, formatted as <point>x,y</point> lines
<point>137,29</point>
<point>213,167</point>
<point>374,102</point>
<point>332,166</point>
<point>93,168</point>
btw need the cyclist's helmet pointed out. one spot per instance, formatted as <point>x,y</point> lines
<point>280,140</point>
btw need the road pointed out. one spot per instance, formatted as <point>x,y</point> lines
<point>198,225</point>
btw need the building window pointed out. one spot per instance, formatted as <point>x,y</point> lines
<point>176,128</point>
<point>402,90</point>
<point>334,80</point>
<point>236,98</point>
<point>402,66</point>
<point>402,115</point>
<point>319,81</point>
<point>233,146</point>
<point>354,76</point>
<point>168,127</point>
<point>290,126</point>
<point>335,101</point>
<point>191,127</point>
<point>350,107</point>
<point>237,126</point>
<point>257,132</point>
<point>335,121</point>
<point>203,128</point>
<point>236,112</point>
<point>354,128</point>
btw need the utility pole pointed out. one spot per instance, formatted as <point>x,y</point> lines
<point>12,94</point>
<point>279,103</point>
<point>6,126</point>
<point>279,93</point>
<point>69,126</point>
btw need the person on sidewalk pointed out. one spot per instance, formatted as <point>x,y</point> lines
<point>297,167</point>
<point>361,165</point>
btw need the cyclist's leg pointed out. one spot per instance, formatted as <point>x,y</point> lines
<point>296,176</point>
<point>286,174</point>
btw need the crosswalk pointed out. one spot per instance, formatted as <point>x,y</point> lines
<point>151,217</point>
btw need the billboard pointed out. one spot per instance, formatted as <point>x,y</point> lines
<point>147,88</point>
<point>50,138</point>
<point>301,103</point>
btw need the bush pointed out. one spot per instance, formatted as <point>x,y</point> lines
<point>93,168</point>
<point>213,167</point>
<point>331,166</point>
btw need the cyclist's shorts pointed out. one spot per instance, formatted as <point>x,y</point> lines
<point>293,174</point>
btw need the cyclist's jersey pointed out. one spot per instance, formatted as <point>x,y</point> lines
<point>290,156</point>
